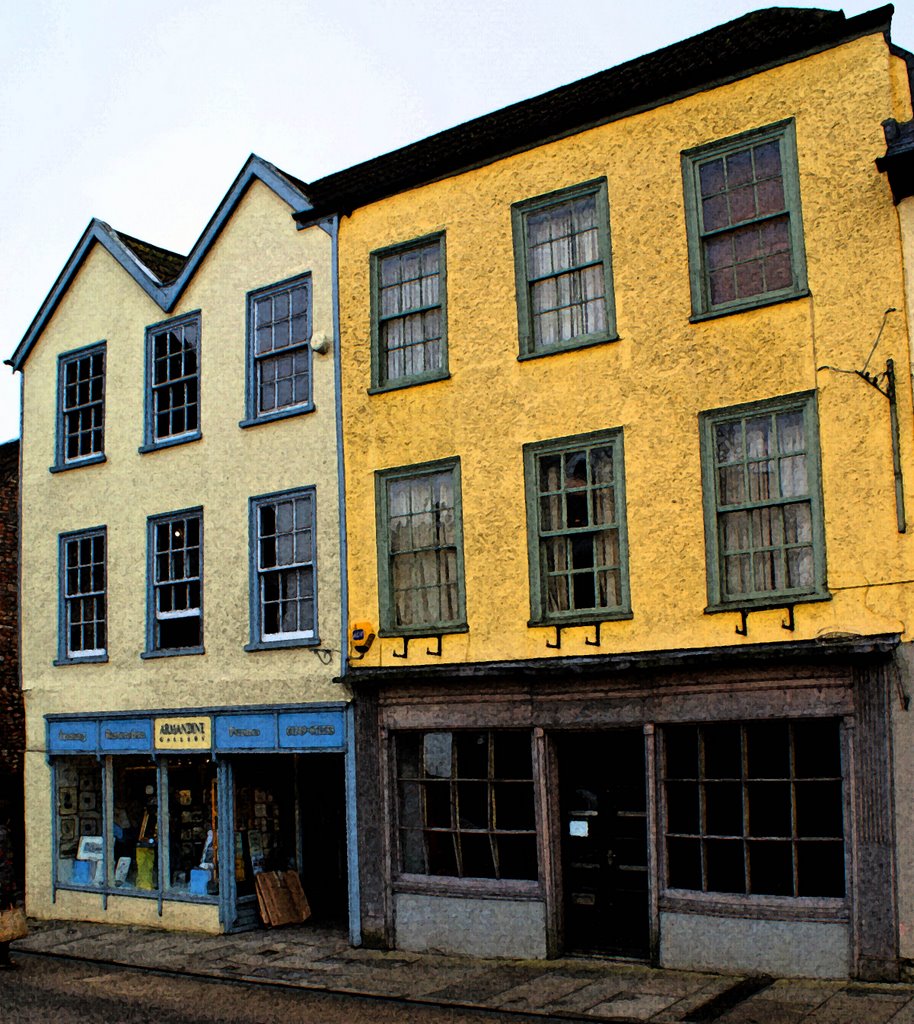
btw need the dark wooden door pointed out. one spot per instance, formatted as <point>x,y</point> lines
<point>603,797</point>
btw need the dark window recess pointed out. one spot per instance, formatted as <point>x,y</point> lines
<point>177,585</point>
<point>466,806</point>
<point>175,380</point>
<point>756,808</point>
<point>83,405</point>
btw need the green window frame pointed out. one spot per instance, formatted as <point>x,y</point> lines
<point>764,524</point>
<point>563,270</point>
<point>409,313</point>
<point>743,221</point>
<point>420,550</point>
<point>576,529</point>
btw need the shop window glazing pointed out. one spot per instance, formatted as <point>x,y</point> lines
<point>78,807</point>
<point>192,827</point>
<point>755,808</point>
<point>128,825</point>
<point>134,830</point>
<point>466,804</point>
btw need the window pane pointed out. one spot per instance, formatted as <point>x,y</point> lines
<point>78,809</point>
<point>192,807</point>
<point>135,824</point>
<point>174,386</point>
<point>763,462</point>
<point>463,810</point>
<point>410,330</point>
<point>767,816</point>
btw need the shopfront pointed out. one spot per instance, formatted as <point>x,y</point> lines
<point>188,806</point>
<point>667,809</point>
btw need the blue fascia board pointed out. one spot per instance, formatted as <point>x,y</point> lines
<point>165,296</point>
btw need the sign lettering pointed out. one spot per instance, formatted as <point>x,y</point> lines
<point>183,733</point>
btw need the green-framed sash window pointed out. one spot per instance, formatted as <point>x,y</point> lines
<point>563,269</point>
<point>420,549</point>
<point>409,313</point>
<point>578,545</point>
<point>763,507</point>
<point>743,219</point>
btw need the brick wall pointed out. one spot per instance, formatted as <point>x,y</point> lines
<point>12,721</point>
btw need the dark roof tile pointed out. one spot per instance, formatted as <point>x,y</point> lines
<point>166,265</point>
<point>749,44</point>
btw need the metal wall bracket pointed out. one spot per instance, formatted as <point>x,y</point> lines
<point>435,653</point>
<point>789,624</point>
<point>324,654</point>
<point>596,638</point>
<point>743,627</point>
<point>557,646</point>
<point>405,653</point>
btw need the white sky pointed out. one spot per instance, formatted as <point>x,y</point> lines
<point>142,115</point>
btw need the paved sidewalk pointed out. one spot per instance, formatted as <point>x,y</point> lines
<point>313,957</point>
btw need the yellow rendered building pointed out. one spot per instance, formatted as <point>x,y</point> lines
<point>182,635</point>
<point>627,408</point>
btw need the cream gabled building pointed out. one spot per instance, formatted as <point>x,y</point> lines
<point>181,573</point>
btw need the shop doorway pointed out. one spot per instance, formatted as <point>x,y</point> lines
<point>289,813</point>
<point>603,798</point>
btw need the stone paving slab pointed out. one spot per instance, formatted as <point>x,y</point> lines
<point>596,989</point>
<point>679,1010</point>
<point>631,1005</point>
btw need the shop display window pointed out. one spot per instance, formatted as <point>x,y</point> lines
<point>78,810</point>
<point>755,809</point>
<point>129,825</point>
<point>466,805</point>
<point>264,821</point>
<point>192,831</point>
<point>134,830</point>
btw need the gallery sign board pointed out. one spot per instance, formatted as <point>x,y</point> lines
<point>190,732</point>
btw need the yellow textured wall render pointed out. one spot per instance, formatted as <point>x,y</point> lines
<point>259,246</point>
<point>659,375</point>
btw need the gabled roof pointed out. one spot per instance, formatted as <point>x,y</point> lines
<point>738,49</point>
<point>162,274</point>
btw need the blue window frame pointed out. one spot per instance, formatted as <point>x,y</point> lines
<point>172,382</point>
<point>174,621</point>
<point>283,570</point>
<point>278,351</point>
<point>80,407</point>
<point>83,601</point>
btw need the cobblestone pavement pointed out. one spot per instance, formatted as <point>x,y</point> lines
<point>314,957</point>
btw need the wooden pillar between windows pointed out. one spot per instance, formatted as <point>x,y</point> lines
<point>875,902</point>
